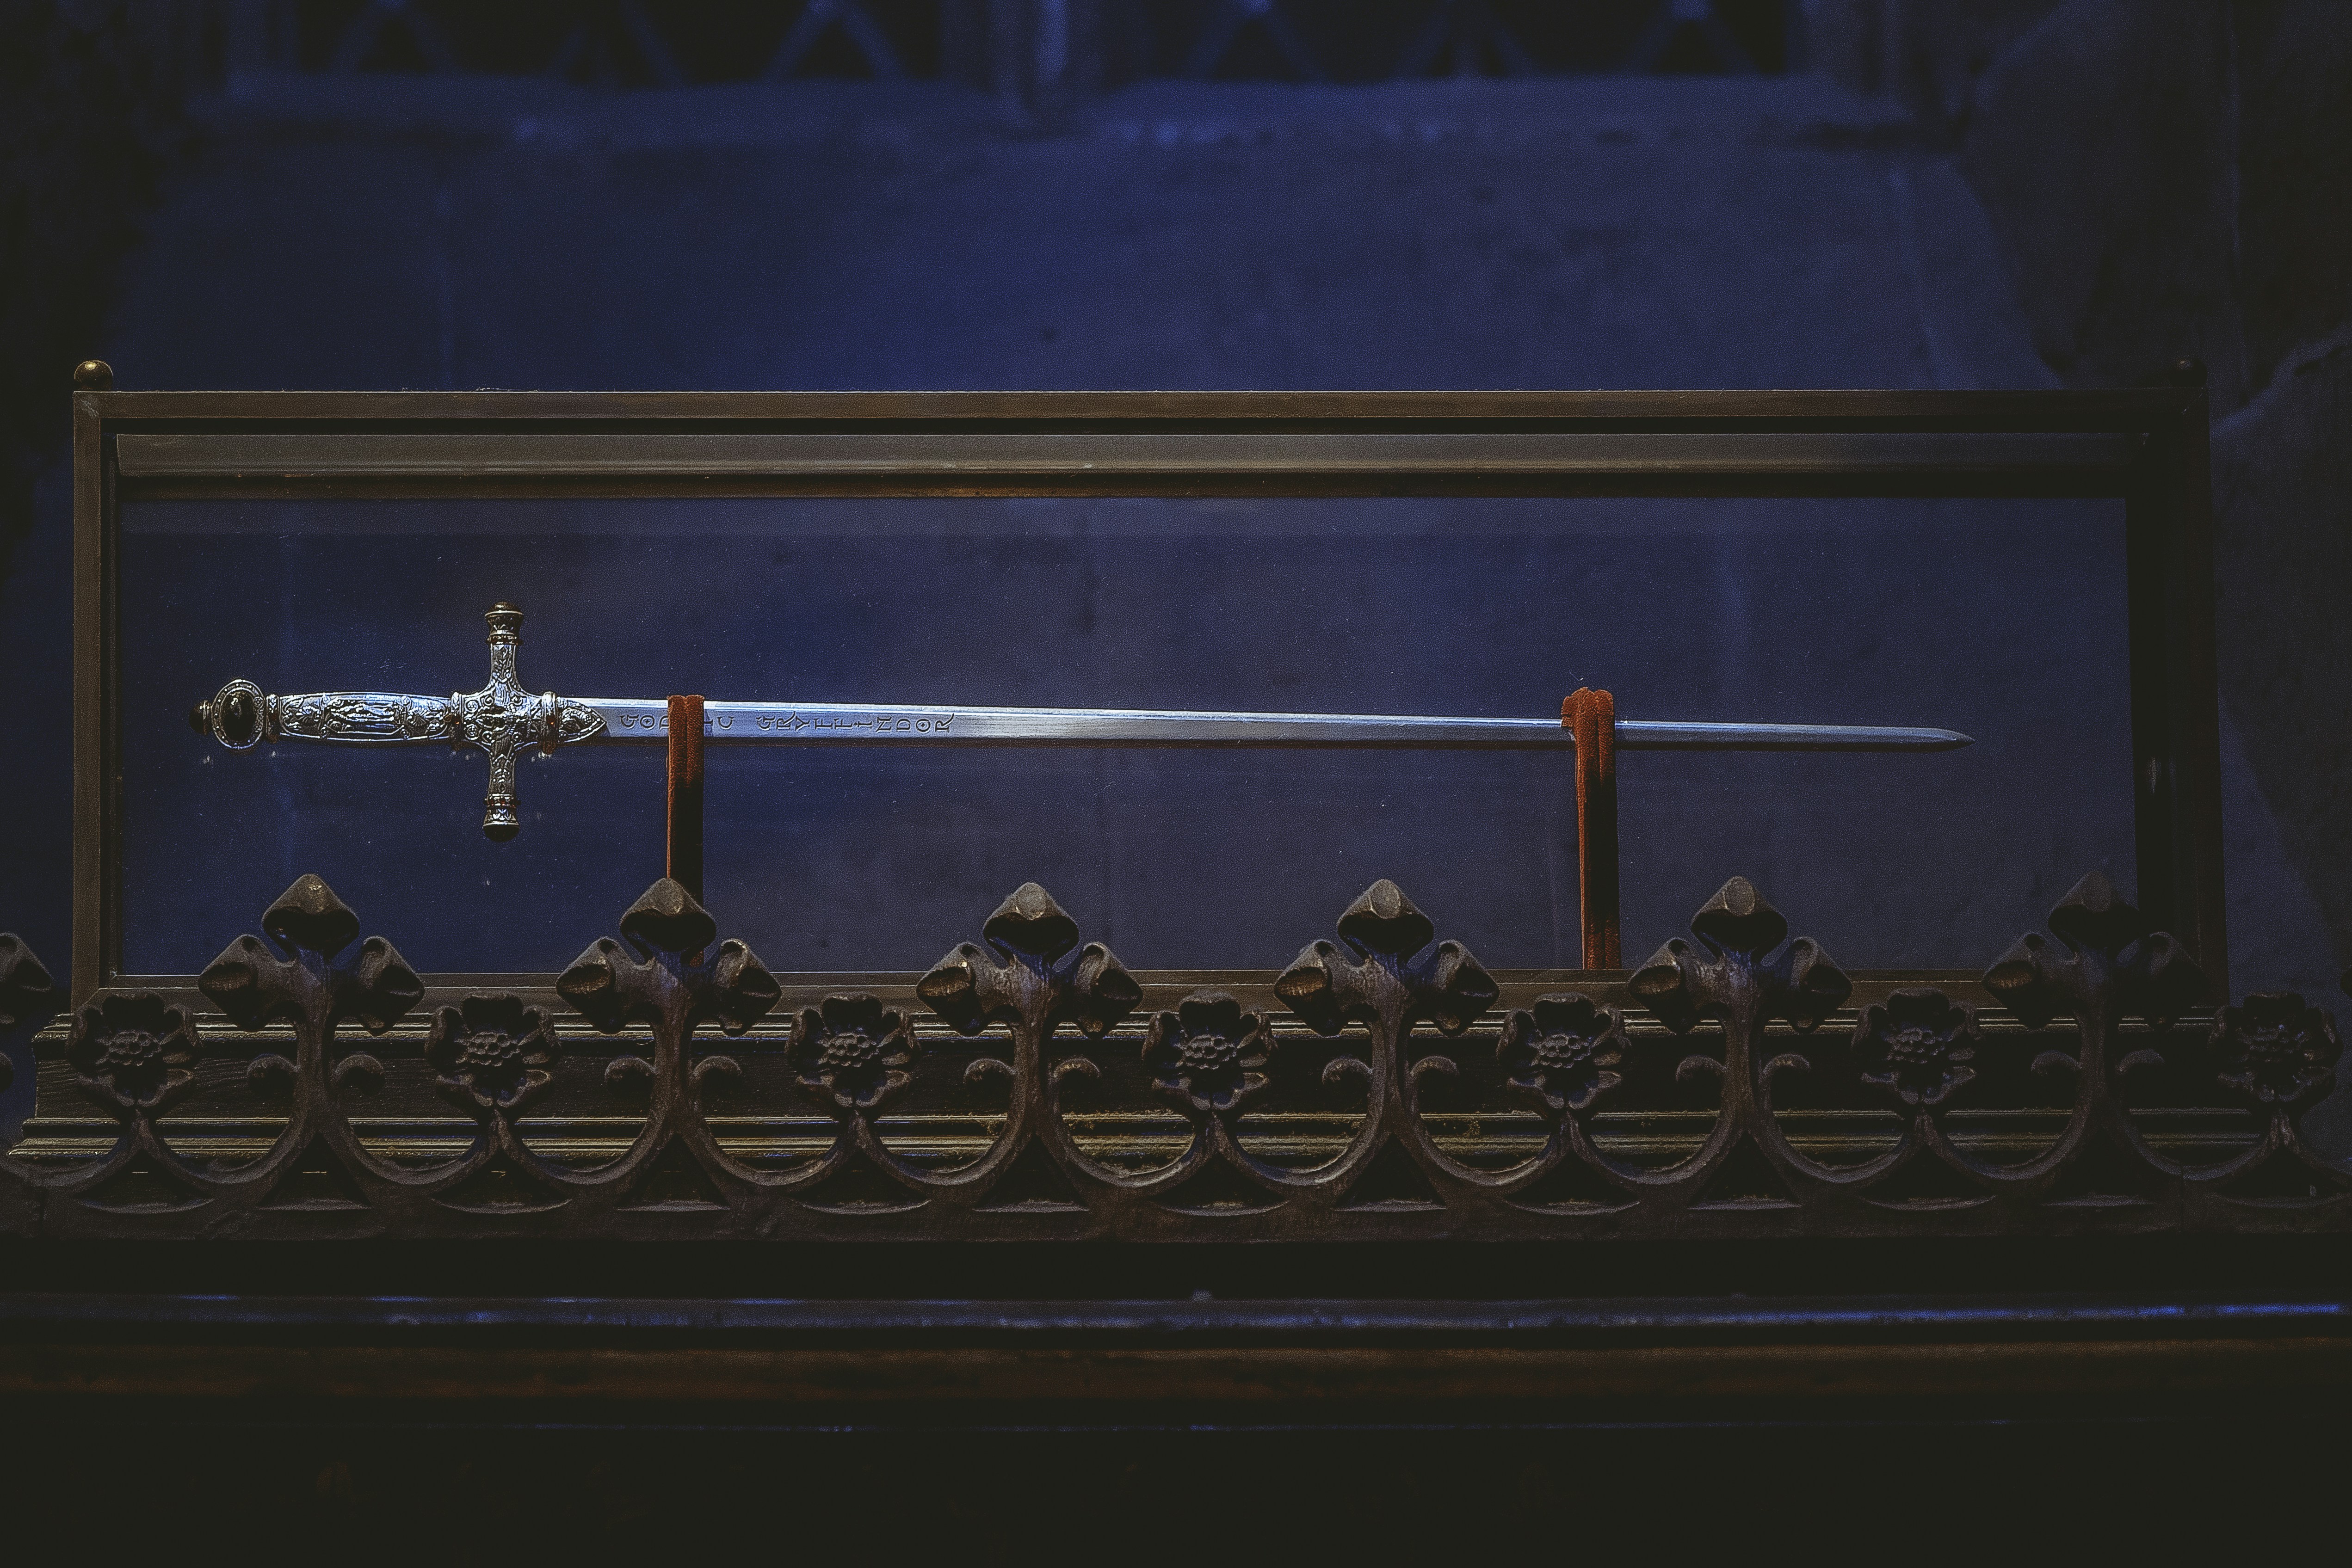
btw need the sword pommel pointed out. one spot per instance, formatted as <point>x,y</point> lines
<point>237,716</point>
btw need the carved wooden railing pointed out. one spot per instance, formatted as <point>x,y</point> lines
<point>1384,1086</point>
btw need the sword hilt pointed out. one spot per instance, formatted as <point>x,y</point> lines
<point>501,718</point>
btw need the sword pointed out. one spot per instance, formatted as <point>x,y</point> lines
<point>505,720</point>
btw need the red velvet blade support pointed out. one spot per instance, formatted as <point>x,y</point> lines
<point>1593,717</point>
<point>684,858</point>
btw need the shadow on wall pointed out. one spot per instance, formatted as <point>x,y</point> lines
<point>88,123</point>
<point>2173,179</point>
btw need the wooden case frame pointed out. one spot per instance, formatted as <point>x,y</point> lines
<point>2147,447</point>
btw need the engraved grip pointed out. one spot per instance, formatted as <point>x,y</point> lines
<point>360,717</point>
<point>241,716</point>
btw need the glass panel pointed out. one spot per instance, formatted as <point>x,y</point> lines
<point>2004,620</point>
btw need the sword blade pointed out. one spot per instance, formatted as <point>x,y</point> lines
<point>786,723</point>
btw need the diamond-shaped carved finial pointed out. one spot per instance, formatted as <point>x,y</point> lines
<point>1327,987</point>
<point>2112,956</point>
<point>1042,983</point>
<point>1738,919</point>
<point>309,917</point>
<point>1742,934</point>
<point>1030,922</point>
<point>2092,914</point>
<point>666,982</point>
<point>668,918</point>
<point>1384,920</point>
<point>253,983</point>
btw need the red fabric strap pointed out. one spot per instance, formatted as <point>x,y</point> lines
<point>1592,715</point>
<point>685,859</point>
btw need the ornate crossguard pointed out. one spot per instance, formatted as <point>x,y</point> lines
<point>501,718</point>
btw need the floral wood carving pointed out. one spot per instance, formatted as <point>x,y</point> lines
<point>308,974</point>
<point>1564,1051</point>
<point>1221,1058</point>
<point>1745,972</point>
<point>1388,975</point>
<point>137,1054</point>
<point>1031,976</point>
<point>852,1050</point>
<point>1918,1045</point>
<point>1207,1053</point>
<point>670,973</point>
<point>2277,1052</point>
<point>132,1054</point>
<point>492,1053</point>
<point>1377,976</point>
<point>2113,967</point>
<point>300,980</point>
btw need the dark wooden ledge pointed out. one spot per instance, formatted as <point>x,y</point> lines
<point>1338,1362</point>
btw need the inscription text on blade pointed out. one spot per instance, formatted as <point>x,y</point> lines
<point>797,722</point>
